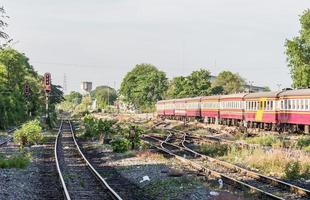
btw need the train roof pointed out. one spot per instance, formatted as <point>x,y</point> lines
<point>273,94</point>
<point>238,95</point>
<point>216,97</point>
<point>299,92</point>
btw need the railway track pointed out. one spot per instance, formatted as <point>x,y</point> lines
<point>8,139</point>
<point>78,177</point>
<point>262,185</point>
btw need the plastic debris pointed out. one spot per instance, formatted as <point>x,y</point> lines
<point>220,183</point>
<point>213,193</point>
<point>145,178</point>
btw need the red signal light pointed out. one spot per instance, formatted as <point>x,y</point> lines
<point>47,82</point>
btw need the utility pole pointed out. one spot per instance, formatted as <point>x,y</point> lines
<point>250,82</point>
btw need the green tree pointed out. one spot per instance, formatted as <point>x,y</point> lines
<point>15,72</point>
<point>3,24</point>
<point>104,95</point>
<point>298,53</point>
<point>74,97</point>
<point>143,86</point>
<point>176,88</point>
<point>196,84</point>
<point>231,83</point>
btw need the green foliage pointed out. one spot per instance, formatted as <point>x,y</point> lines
<point>292,170</point>
<point>196,84</point>
<point>30,133</point>
<point>303,142</point>
<point>265,140</point>
<point>214,149</point>
<point>120,144</point>
<point>134,135</point>
<point>15,71</point>
<point>104,95</point>
<point>74,97</point>
<point>143,86</point>
<point>16,161</point>
<point>230,82</point>
<point>3,24</point>
<point>298,53</point>
<point>91,127</point>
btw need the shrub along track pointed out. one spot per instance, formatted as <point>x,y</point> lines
<point>229,173</point>
<point>79,179</point>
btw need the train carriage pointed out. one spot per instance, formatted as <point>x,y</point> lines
<point>231,108</point>
<point>210,108</point>
<point>261,108</point>
<point>180,108</point>
<point>193,109</point>
<point>295,108</point>
<point>169,108</point>
<point>160,108</point>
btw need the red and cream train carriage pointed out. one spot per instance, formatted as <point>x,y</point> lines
<point>193,109</point>
<point>295,108</point>
<point>231,108</point>
<point>289,109</point>
<point>210,108</point>
<point>261,108</point>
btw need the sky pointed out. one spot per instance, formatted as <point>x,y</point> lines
<point>101,40</point>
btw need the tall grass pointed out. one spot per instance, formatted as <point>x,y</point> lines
<point>17,161</point>
<point>273,162</point>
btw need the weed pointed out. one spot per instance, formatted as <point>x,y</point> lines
<point>120,144</point>
<point>265,140</point>
<point>292,170</point>
<point>303,142</point>
<point>214,149</point>
<point>16,161</point>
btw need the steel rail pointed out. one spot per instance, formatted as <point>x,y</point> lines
<point>66,192</point>
<point>9,138</point>
<point>207,171</point>
<point>113,194</point>
<point>274,181</point>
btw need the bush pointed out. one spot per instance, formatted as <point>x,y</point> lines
<point>292,170</point>
<point>265,140</point>
<point>30,133</point>
<point>120,144</point>
<point>307,148</point>
<point>17,161</point>
<point>303,142</point>
<point>214,149</point>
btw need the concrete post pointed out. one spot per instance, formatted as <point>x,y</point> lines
<point>307,131</point>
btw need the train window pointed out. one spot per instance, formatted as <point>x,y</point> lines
<point>267,107</point>
<point>271,105</point>
<point>302,103</point>
<point>306,104</point>
<point>282,105</point>
<point>297,104</point>
<point>293,104</point>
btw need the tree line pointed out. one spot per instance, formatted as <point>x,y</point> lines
<point>15,73</point>
<point>143,86</point>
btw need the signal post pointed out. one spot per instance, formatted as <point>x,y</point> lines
<point>47,89</point>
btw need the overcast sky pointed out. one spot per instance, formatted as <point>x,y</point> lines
<point>101,40</point>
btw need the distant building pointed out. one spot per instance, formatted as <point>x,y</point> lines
<point>253,88</point>
<point>212,78</point>
<point>86,87</point>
